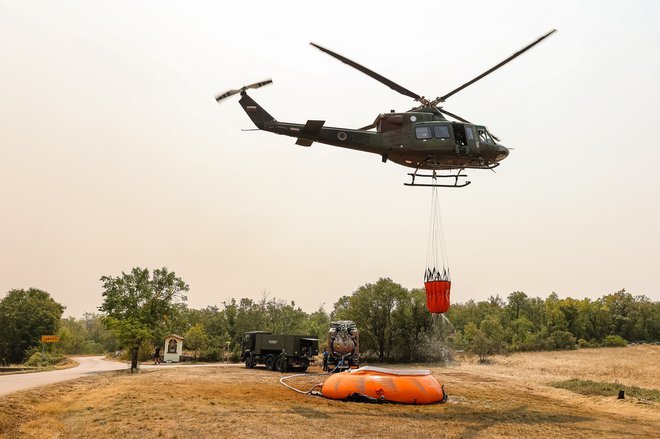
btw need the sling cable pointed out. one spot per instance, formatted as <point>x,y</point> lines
<point>437,279</point>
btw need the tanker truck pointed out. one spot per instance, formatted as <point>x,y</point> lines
<point>343,346</point>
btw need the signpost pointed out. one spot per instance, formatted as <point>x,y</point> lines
<point>47,339</point>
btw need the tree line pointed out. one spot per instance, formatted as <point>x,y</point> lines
<point>141,307</point>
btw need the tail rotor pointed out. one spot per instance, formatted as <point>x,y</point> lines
<point>242,90</point>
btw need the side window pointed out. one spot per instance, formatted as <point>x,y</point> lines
<point>469,133</point>
<point>441,131</point>
<point>423,133</point>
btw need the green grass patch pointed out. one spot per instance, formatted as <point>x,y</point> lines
<point>587,387</point>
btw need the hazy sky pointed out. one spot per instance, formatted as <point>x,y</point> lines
<point>114,154</point>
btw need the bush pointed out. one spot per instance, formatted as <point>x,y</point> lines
<point>614,341</point>
<point>560,340</point>
<point>235,356</point>
<point>582,343</point>
<point>48,359</point>
<point>536,341</point>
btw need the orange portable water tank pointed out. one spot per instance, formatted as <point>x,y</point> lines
<point>391,385</point>
<point>437,295</point>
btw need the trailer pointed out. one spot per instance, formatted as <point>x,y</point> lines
<point>279,352</point>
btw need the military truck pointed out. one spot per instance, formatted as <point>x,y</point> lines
<point>279,352</point>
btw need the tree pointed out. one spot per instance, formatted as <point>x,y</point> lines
<point>283,318</point>
<point>139,305</point>
<point>318,323</point>
<point>26,315</point>
<point>486,339</point>
<point>517,304</point>
<point>196,339</point>
<point>73,335</point>
<point>372,307</point>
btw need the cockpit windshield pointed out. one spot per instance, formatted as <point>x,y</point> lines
<point>484,135</point>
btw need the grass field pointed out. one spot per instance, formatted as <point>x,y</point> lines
<point>512,396</point>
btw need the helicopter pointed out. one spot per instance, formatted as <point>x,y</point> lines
<point>421,138</point>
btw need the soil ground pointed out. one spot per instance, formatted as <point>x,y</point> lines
<point>508,398</point>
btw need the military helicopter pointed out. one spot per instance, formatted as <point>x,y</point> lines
<point>421,138</point>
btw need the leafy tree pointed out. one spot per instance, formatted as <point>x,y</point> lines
<point>98,334</point>
<point>85,336</point>
<point>196,339</point>
<point>645,318</point>
<point>26,315</point>
<point>282,317</point>
<point>138,306</point>
<point>372,308</point>
<point>522,329</point>
<point>73,335</point>
<point>517,304</point>
<point>318,323</point>
<point>554,317</point>
<point>621,307</point>
<point>570,308</point>
<point>596,318</point>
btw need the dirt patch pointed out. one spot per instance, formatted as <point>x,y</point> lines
<point>509,398</point>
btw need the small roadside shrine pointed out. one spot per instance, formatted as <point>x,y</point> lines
<point>173,348</point>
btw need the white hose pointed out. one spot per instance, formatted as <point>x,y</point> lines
<point>302,375</point>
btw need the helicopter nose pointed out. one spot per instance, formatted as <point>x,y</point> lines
<point>502,153</point>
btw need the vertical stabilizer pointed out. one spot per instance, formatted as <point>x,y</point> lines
<point>258,115</point>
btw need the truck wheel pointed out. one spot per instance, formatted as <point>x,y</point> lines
<point>270,362</point>
<point>249,363</point>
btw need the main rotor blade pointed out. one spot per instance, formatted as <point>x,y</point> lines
<point>393,85</point>
<point>443,111</point>
<point>515,55</point>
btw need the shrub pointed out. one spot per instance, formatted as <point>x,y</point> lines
<point>614,341</point>
<point>582,343</point>
<point>560,340</point>
<point>47,359</point>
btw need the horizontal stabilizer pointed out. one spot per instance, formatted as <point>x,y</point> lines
<point>313,126</point>
<point>304,142</point>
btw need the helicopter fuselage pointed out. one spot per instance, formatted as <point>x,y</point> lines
<point>416,139</point>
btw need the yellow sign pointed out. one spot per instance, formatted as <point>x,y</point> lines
<point>50,338</point>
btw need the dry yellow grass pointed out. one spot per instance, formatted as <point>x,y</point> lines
<point>508,398</point>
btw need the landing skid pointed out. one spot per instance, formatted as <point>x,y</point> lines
<point>435,177</point>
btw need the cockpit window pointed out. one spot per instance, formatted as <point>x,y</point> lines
<point>423,133</point>
<point>441,131</point>
<point>484,136</point>
<point>468,133</point>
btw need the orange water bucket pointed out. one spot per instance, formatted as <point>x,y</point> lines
<point>403,386</point>
<point>437,295</point>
